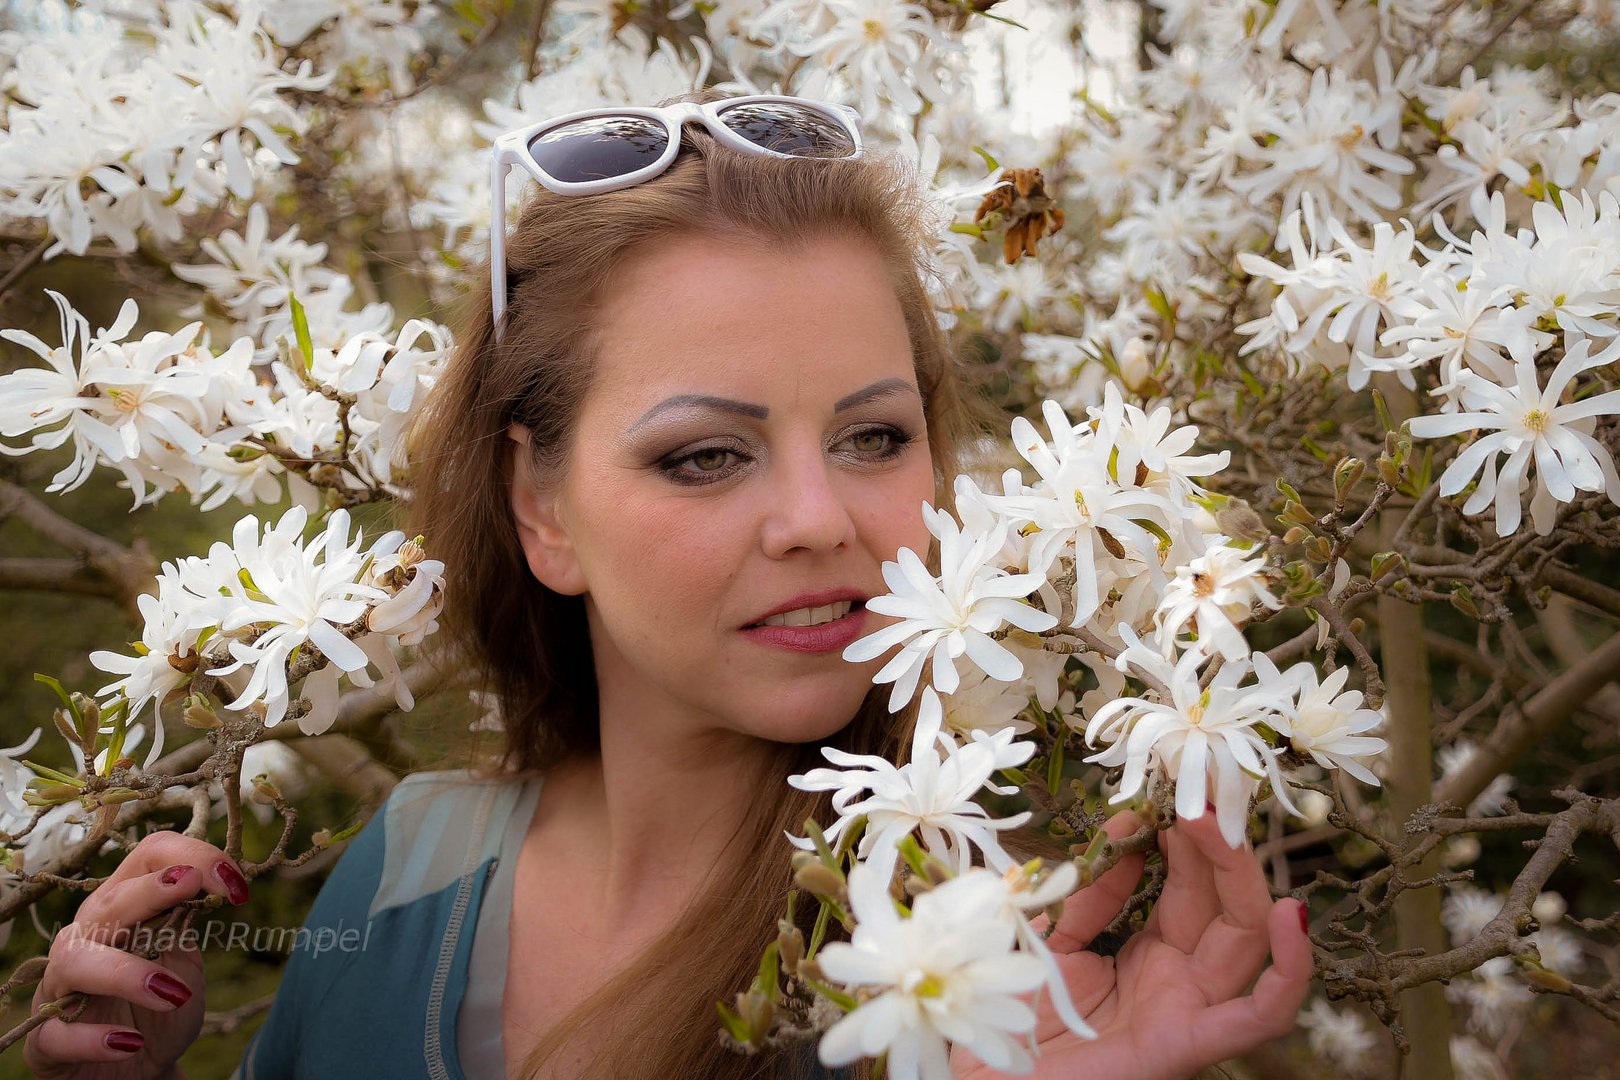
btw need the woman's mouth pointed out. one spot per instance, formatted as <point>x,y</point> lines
<point>827,628</point>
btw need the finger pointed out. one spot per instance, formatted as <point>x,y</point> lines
<point>1232,949</point>
<point>92,968</point>
<point>1235,1027</point>
<point>55,1042</point>
<point>1189,902</point>
<point>216,872</point>
<point>122,905</point>
<point>1091,909</point>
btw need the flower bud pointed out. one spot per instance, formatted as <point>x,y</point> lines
<point>817,879</point>
<point>1135,366</point>
<point>265,789</point>
<point>1238,520</point>
<point>758,1011</point>
<point>198,714</point>
<point>789,946</point>
<point>64,726</point>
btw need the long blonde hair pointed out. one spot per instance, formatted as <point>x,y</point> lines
<point>532,644</point>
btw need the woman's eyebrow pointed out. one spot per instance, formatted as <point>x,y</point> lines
<point>879,389</point>
<point>882,388</point>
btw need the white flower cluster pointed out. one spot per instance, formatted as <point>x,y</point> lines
<point>1113,539</point>
<point>249,608</point>
<point>168,412</point>
<point>1495,993</point>
<point>110,130</point>
<point>1515,326</point>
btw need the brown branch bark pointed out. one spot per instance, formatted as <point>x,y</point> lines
<point>128,571</point>
<point>1518,731</point>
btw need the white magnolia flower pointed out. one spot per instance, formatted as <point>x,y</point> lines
<point>34,401</point>
<point>1454,758</point>
<point>252,275</point>
<point>981,703</point>
<point>947,973</point>
<point>1530,424</point>
<point>1494,994</point>
<point>1210,596</point>
<point>293,597</point>
<point>931,795</point>
<point>1203,739</point>
<point>950,616</point>
<point>1339,1035</point>
<point>1326,721</point>
<point>886,49</point>
<point>1146,453</point>
<point>1079,509</point>
<point>1465,911</point>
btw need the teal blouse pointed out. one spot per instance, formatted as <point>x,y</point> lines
<point>403,967</point>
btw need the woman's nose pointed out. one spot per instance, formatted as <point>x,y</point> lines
<point>806,510</point>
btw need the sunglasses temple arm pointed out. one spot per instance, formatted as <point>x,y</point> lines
<point>497,239</point>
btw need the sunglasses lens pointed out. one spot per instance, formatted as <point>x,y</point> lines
<point>599,147</point>
<point>789,129</point>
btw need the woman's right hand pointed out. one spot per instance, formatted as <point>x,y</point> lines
<point>141,1014</point>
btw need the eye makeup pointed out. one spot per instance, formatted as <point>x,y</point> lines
<point>712,461</point>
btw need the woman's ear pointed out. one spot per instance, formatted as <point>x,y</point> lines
<point>547,546</point>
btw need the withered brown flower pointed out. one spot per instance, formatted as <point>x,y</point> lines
<point>1028,210</point>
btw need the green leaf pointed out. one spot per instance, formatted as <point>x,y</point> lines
<point>300,323</point>
<point>347,831</point>
<point>988,160</point>
<point>66,698</point>
<point>846,842</point>
<point>913,853</point>
<point>115,744</point>
<point>735,1025</point>
<point>967,228</point>
<point>837,997</point>
<point>1383,410</point>
<point>819,838</point>
<point>770,966</point>
<point>819,931</point>
<point>53,774</point>
<point>1160,304</point>
<point>1157,530</point>
<point>999,18</point>
<point>1054,767</point>
<point>1316,451</point>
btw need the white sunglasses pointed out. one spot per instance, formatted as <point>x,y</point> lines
<point>595,150</point>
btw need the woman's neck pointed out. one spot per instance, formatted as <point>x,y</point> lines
<point>647,818</point>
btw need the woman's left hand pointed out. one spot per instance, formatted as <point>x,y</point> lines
<point>1173,1001</point>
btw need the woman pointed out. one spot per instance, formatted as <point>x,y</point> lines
<point>667,479</point>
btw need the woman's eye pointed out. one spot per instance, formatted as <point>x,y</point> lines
<point>711,460</point>
<point>877,444</point>
<point>702,466</point>
<point>871,442</point>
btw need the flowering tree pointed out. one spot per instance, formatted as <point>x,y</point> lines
<point>1309,302</point>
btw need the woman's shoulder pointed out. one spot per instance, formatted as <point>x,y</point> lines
<point>439,826</point>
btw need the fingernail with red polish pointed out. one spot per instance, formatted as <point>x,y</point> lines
<point>1304,918</point>
<point>168,988</point>
<point>127,1041</point>
<point>235,884</point>
<point>173,874</point>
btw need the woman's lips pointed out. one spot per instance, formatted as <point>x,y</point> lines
<point>825,637</point>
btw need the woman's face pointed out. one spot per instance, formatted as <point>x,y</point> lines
<point>752,448</point>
